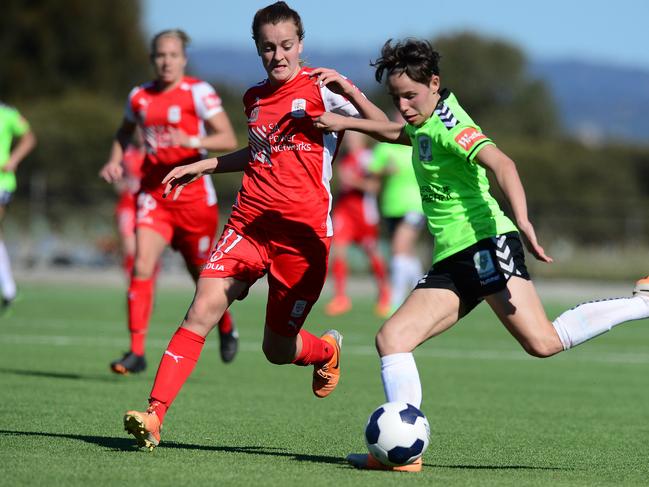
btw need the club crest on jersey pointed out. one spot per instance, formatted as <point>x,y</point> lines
<point>425,146</point>
<point>298,108</point>
<point>173,114</point>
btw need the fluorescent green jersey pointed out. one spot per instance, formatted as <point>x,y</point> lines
<point>454,189</point>
<point>400,189</point>
<point>11,125</point>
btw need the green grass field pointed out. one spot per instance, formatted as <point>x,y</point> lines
<point>497,416</point>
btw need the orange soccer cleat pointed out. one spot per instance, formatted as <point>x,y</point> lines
<point>338,306</point>
<point>642,286</point>
<point>365,461</point>
<point>326,376</point>
<point>144,426</point>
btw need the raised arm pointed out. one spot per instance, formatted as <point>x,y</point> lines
<point>340,85</point>
<point>507,177</point>
<point>113,171</point>
<point>381,130</point>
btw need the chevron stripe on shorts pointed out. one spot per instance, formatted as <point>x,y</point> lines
<point>504,257</point>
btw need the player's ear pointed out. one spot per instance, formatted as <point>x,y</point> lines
<point>434,83</point>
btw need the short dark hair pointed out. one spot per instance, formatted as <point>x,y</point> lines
<point>414,57</point>
<point>274,14</point>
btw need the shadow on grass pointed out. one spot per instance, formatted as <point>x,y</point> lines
<point>128,444</point>
<point>108,377</point>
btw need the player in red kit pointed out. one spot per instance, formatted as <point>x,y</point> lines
<point>181,118</point>
<point>280,224</point>
<point>356,221</point>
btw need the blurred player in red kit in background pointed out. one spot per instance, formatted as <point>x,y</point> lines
<point>181,118</point>
<point>356,221</point>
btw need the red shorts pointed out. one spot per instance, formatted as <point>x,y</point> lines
<point>352,224</point>
<point>296,267</point>
<point>188,228</point>
<point>125,214</point>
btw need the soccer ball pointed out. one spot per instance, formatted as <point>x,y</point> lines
<point>397,433</point>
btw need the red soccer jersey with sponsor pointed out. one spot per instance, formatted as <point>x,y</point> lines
<point>288,176</point>
<point>184,107</point>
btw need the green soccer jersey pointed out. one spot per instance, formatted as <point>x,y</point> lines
<point>11,125</point>
<point>454,189</point>
<point>400,193</point>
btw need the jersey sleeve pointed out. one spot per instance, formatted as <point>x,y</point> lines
<point>129,113</point>
<point>464,140</point>
<point>206,99</point>
<point>336,103</point>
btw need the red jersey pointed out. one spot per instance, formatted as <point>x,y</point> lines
<point>354,165</point>
<point>289,168</point>
<point>184,107</point>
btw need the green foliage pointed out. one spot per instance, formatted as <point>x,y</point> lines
<point>49,47</point>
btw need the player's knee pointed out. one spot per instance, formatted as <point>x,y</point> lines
<point>542,347</point>
<point>204,313</point>
<point>389,341</point>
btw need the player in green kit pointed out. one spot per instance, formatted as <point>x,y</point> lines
<point>478,251</point>
<point>12,126</point>
<point>401,210</point>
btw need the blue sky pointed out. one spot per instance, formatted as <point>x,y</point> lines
<point>608,31</point>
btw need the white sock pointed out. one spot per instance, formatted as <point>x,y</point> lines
<point>401,378</point>
<point>6,279</point>
<point>399,279</point>
<point>589,320</point>
<point>415,272</point>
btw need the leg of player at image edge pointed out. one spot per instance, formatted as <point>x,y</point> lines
<point>577,325</point>
<point>179,360</point>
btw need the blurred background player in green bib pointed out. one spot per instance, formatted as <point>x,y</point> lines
<point>401,210</point>
<point>16,141</point>
<point>356,221</point>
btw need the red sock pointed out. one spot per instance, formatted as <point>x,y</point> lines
<point>140,302</point>
<point>378,268</point>
<point>314,350</point>
<point>225,323</point>
<point>175,367</point>
<point>340,277</point>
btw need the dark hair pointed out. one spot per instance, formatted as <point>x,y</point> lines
<point>274,14</point>
<point>181,35</point>
<point>414,57</point>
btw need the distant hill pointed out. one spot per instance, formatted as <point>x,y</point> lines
<point>595,101</point>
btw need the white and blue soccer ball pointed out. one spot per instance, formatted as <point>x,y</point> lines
<point>397,433</point>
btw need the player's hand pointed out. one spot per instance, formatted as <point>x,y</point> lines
<point>532,244</point>
<point>330,122</point>
<point>112,172</point>
<point>333,80</point>
<point>181,176</point>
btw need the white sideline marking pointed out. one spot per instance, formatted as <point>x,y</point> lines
<point>361,350</point>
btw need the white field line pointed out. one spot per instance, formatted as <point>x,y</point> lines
<point>361,350</point>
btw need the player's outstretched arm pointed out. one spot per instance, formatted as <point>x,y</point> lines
<point>382,130</point>
<point>510,183</point>
<point>181,176</point>
<point>340,85</point>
